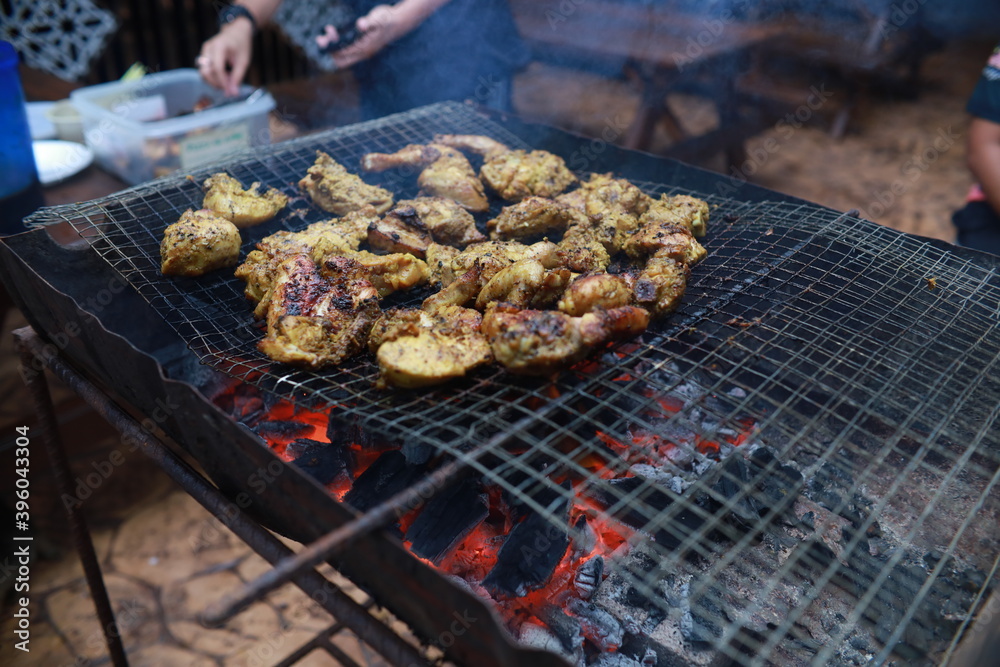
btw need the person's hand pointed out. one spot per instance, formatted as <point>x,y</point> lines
<point>224,58</point>
<point>382,26</point>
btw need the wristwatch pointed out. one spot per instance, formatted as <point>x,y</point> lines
<point>230,13</point>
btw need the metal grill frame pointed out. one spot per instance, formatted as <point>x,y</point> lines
<point>821,280</point>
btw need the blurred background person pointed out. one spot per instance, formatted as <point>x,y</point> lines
<point>408,54</point>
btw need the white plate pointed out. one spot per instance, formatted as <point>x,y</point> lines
<point>58,160</point>
<point>38,120</point>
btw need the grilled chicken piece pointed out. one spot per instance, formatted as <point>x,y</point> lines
<point>319,320</point>
<point>491,256</point>
<point>581,250</point>
<point>661,284</point>
<point>459,292</point>
<point>401,230</point>
<point>665,228</point>
<point>540,342</point>
<point>613,206</point>
<point>448,223</point>
<point>447,173</point>
<point>392,273</point>
<point>199,242</point>
<point>418,348</point>
<point>514,174</point>
<point>338,191</point>
<point>515,284</point>
<point>588,294</point>
<point>439,259</point>
<point>244,208</point>
<point>531,216</point>
<point>694,212</point>
<point>341,236</point>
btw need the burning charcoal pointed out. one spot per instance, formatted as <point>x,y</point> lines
<point>282,429</point>
<point>565,627</point>
<point>588,577</point>
<point>528,557</point>
<point>615,660</point>
<point>386,477</point>
<point>583,539</point>
<point>323,461</point>
<point>447,518</point>
<point>650,502</point>
<point>649,658</point>
<point>599,626</point>
<point>536,636</point>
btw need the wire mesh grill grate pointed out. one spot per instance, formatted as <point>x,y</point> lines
<point>863,359</point>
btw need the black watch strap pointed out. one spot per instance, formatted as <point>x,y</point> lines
<point>230,13</point>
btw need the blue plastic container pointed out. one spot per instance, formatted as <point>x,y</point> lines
<point>20,191</point>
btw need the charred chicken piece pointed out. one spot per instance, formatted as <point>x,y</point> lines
<point>401,230</point>
<point>541,342</point>
<point>532,216</point>
<point>660,286</point>
<point>514,174</point>
<point>448,223</point>
<point>446,172</point>
<point>199,242</point>
<point>244,208</point>
<point>602,291</point>
<point>338,191</point>
<point>613,206</point>
<point>694,212</point>
<point>581,249</point>
<point>491,256</point>
<point>419,348</point>
<point>319,320</point>
<point>666,229</point>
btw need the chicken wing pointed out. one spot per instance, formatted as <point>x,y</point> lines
<point>446,172</point>
<point>540,342</point>
<point>392,273</point>
<point>244,208</point>
<point>491,256</point>
<point>532,216</point>
<point>664,238</point>
<point>515,284</point>
<point>199,242</point>
<point>514,174</point>
<point>318,320</point>
<point>338,191</point>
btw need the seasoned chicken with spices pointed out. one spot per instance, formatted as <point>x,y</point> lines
<point>446,220</point>
<point>317,320</point>
<point>541,342</point>
<point>514,174</point>
<point>661,284</point>
<point>199,242</point>
<point>334,189</point>
<point>603,291</point>
<point>532,216</point>
<point>446,172</point>
<point>244,208</point>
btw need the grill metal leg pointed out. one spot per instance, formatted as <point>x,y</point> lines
<point>47,425</point>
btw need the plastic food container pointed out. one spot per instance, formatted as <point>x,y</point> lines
<point>166,121</point>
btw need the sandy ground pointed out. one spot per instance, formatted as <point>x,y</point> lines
<point>901,162</point>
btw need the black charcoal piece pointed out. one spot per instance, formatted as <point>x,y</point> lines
<point>282,429</point>
<point>644,504</point>
<point>599,626</point>
<point>530,554</point>
<point>323,461</point>
<point>389,475</point>
<point>563,626</point>
<point>447,518</point>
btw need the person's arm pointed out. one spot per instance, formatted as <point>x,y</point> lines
<point>983,157</point>
<point>225,57</point>
<point>382,26</point>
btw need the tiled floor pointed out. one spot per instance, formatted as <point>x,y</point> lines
<point>144,528</point>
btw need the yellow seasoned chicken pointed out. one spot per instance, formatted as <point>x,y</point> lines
<point>338,191</point>
<point>491,256</point>
<point>514,174</point>
<point>199,242</point>
<point>317,320</point>
<point>446,172</point>
<point>446,220</point>
<point>244,208</point>
<point>392,273</point>
<point>581,250</point>
<point>401,230</point>
<point>541,342</point>
<point>420,348</point>
<point>532,216</point>
<point>604,291</point>
<point>661,284</point>
<point>439,258</point>
<point>613,206</point>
